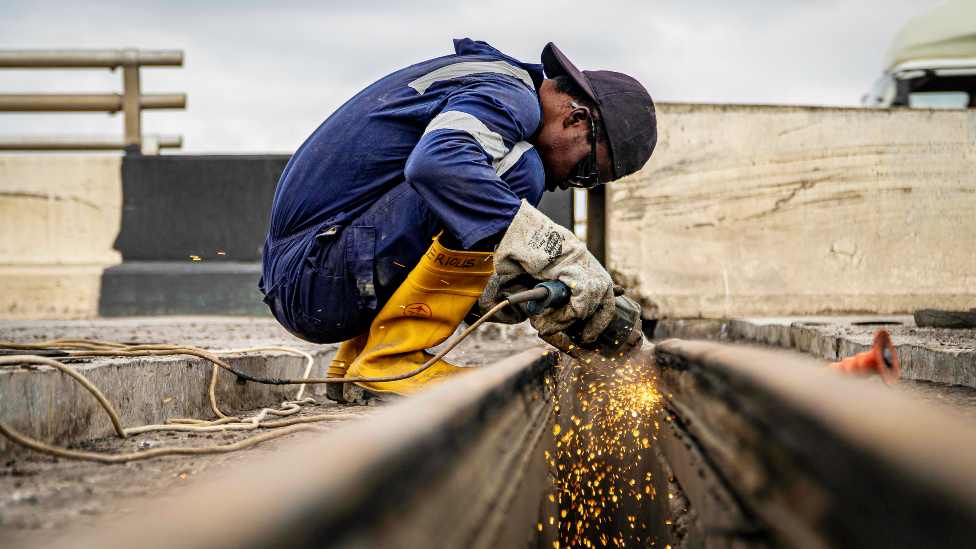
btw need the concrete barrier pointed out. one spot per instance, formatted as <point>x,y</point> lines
<point>781,211</point>
<point>215,207</point>
<point>59,217</point>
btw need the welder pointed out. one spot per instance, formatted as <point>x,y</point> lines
<point>414,204</point>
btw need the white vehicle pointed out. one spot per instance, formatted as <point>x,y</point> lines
<point>932,62</point>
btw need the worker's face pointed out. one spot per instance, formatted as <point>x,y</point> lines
<point>564,138</point>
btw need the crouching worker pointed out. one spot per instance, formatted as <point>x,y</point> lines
<point>389,222</point>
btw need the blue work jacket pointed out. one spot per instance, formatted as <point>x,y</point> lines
<point>455,129</point>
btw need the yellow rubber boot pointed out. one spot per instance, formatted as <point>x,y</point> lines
<point>347,352</point>
<point>422,313</point>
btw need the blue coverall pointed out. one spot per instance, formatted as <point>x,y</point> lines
<point>440,145</point>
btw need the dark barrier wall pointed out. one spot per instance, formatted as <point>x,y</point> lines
<point>175,207</point>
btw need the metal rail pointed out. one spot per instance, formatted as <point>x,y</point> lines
<point>150,143</point>
<point>460,465</point>
<point>131,102</point>
<point>86,102</point>
<point>88,59</point>
<point>769,450</point>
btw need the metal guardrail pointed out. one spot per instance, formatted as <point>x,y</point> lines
<point>88,59</point>
<point>150,144</point>
<point>108,102</point>
<point>131,101</point>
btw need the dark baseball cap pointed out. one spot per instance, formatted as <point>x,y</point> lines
<point>626,109</point>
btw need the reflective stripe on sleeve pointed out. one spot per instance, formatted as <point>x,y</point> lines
<point>506,162</point>
<point>502,159</point>
<point>490,141</point>
<point>470,67</point>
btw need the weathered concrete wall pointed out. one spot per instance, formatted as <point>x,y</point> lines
<point>776,211</point>
<point>59,217</point>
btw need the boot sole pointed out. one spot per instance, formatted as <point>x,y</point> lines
<point>361,396</point>
<point>334,391</point>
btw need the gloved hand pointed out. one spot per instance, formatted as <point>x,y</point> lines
<point>499,288</point>
<point>534,245</point>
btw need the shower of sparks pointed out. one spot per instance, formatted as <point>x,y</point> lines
<point>600,480</point>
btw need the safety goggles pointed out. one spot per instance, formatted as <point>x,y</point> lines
<point>586,174</point>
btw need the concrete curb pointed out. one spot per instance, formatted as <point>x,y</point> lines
<point>459,465</point>
<point>44,404</point>
<point>943,356</point>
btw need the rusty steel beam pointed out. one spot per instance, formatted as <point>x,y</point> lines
<point>459,465</point>
<point>810,459</point>
<point>86,102</point>
<point>88,59</point>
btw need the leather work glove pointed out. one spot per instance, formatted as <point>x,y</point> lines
<point>499,289</point>
<point>536,246</point>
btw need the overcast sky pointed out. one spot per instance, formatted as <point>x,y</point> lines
<point>261,76</point>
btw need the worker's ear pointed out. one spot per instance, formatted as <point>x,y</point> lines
<point>577,116</point>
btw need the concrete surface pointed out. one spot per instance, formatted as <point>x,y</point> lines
<point>930,354</point>
<point>42,403</point>
<point>59,216</point>
<point>754,210</point>
<point>41,497</point>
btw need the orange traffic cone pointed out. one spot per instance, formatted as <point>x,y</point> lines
<point>881,359</point>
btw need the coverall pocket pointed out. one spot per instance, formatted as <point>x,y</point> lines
<point>305,312</point>
<point>298,324</point>
<point>360,251</point>
<point>271,300</point>
<point>309,328</point>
